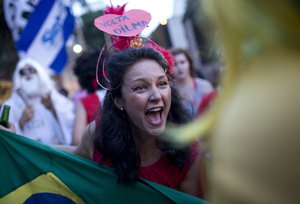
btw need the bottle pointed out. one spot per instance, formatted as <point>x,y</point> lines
<point>5,116</point>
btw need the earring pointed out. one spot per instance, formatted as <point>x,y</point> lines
<point>121,108</point>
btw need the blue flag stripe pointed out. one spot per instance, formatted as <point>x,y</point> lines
<point>68,26</point>
<point>61,59</point>
<point>34,24</point>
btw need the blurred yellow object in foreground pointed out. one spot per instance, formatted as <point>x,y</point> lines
<point>256,140</point>
<point>255,130</point>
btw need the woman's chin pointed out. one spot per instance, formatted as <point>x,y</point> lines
<point>180,77</point>
<point>156,132</point>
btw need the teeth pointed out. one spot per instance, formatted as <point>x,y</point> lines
<point>154,110</point>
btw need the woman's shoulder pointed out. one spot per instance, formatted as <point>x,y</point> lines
<point>89,131</point>
<point>86,146</point>
<point>204,84</point>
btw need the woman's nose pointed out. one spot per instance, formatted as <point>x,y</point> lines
<point>155,94</point>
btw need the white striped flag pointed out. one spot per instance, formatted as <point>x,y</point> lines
<point>45,33</point>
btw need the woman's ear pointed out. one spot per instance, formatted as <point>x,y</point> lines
<point>119,103</point>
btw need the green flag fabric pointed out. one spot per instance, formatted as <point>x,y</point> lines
<point>31,172</point>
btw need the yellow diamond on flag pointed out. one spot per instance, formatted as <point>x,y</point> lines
<point>46,188</point>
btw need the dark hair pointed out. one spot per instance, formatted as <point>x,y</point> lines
<point>85,70</point>
<point>177,51</point>
<point>113,136</point>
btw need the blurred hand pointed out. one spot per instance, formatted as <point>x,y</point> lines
<point>11,128</point>
<point>27,114</point>
<point>47,102</point>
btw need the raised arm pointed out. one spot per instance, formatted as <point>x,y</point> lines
<point>80,123</point>
<point>85,147</point>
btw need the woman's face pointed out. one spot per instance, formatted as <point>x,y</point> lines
<point>146,97</point>
<point>182,67</point>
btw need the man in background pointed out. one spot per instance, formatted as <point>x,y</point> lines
<point>38,110</point>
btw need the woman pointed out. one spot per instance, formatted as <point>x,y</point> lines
<point>195,91</point>
<point>134,115</point>
<point>87,106</point>
<point>135,111</point>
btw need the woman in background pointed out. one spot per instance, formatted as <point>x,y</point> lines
<point>195,91</point>
<point>89,105</point>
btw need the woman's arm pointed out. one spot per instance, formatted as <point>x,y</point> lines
<point>80,123</point>
<point>85,147</point>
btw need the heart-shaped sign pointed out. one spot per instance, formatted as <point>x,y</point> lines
<point>131,23</point>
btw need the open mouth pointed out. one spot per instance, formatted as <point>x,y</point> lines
<point>154,116</point>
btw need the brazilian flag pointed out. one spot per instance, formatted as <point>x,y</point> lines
<point>33,173</point>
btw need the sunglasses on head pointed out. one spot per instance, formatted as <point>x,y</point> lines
<point>27,70</point>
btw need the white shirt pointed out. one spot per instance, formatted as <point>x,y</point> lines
<point>43,126</point>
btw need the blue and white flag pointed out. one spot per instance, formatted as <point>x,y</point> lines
<point>43,34</point>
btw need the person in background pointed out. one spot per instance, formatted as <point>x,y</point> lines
<point>38,110</point>
<point>87,106</point>
<point>197,92</point>
<point>58,81</point>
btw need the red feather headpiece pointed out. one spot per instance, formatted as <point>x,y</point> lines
<point>115,10</point>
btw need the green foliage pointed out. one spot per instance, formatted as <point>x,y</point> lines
<point>94,38</point>
<point>8,55</point>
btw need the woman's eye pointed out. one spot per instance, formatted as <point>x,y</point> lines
<point>139,89</point>
<point>163,84</point>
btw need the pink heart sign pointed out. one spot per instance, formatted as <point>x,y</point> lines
<point>131,23</point>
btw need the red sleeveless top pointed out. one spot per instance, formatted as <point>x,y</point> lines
<point>91,104</point>
<point>162,171</point>
<point>205,102</point>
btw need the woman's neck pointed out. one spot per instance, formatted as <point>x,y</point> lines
<point>186,88</point>
<point>188,81</point>
<point>147,147</point>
